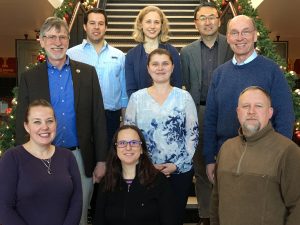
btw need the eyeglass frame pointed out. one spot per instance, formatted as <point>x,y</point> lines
<point>131,142</point>
<point>243,33</point>
<point>53,38</point>
<point>210,18</point>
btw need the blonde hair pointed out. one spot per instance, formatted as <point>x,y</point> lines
<point>138,34</point>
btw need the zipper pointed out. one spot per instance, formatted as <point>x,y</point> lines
<point>241,159</point>
<point>125,202</point>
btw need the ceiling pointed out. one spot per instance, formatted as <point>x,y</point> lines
<point>19,17</point>
<point>281,17</point>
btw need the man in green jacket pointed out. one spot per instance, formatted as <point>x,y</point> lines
<point>258,172</point>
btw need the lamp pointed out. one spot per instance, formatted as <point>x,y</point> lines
<point>256,3</point>
<point>37,34</point>
<point>56,3</point>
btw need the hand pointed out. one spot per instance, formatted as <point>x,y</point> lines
<point>166,168</point>
<point>210,171</point>
<point>99,172</point>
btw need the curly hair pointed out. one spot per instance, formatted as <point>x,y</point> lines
<point>146,172</point>
<point>138,34</point>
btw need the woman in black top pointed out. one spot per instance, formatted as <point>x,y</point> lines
<point>133,192</point>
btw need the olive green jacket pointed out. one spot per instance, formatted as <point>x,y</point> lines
<point>257,181</point>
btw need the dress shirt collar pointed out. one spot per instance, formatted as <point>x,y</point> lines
<point>86,43</point>
<point>216,41</point>
<point>250,58</point>
<point>67,63</point>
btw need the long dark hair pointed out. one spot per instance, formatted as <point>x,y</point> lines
<point>146,172</point>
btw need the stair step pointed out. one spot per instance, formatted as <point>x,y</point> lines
<point>132,23</point>
<point>143,4</point>
<point>131,45</point>
<point>154,2</point>
<point>168,17</point>
<point>122,14</point>
<point>192,203</point>
<point>129,37</point>
<point>130,30</point>
<point>136,11</point>
<point>167,13</point>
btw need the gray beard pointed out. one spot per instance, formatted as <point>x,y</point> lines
<point>249,130</point>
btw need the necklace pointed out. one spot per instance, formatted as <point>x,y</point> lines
<point>47,164</point>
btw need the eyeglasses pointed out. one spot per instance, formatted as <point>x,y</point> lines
<point>54,38</point>
<point>210,18</point>
<point>244,33</point>
<point>132,143</point>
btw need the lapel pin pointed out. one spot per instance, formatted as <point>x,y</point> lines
<point>77,70</point>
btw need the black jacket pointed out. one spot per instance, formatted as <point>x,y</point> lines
<point>138,205</point>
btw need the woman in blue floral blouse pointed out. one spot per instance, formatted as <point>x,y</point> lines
<point>167,117</point>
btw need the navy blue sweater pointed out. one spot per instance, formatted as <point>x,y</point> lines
<point>220,121</point>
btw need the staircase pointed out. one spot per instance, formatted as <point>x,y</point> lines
<point>180,13</point>
<point>122,13</point>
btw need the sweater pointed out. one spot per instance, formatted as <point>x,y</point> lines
<point>220,120</point>
<point>257,181</point>
<point>137,205</point>
<point>31,196</point>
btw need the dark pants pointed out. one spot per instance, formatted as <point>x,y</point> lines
<point>112,123</point>
<point>181,184</point>
<point>203,187</point>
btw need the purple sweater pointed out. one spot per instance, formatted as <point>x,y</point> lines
<point>30,196</point>
<point>220,121</point>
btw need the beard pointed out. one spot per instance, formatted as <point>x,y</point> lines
<point>250,129</point>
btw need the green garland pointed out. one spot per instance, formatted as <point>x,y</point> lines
<point>66,9</point>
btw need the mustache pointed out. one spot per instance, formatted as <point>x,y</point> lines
<point>251,118</point>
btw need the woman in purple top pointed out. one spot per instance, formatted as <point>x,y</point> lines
<point>40,183</point>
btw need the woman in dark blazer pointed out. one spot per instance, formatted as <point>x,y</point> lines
<point>151,31</point>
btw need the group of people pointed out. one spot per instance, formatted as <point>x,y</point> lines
<point>143,124</point>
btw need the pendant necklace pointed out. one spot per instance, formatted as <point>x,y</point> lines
<point>47,164</point>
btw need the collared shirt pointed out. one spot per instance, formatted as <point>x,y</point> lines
<point>209,62</point>
<point>110,66</point>
<point>62,100</point>
<point>249,59</point>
